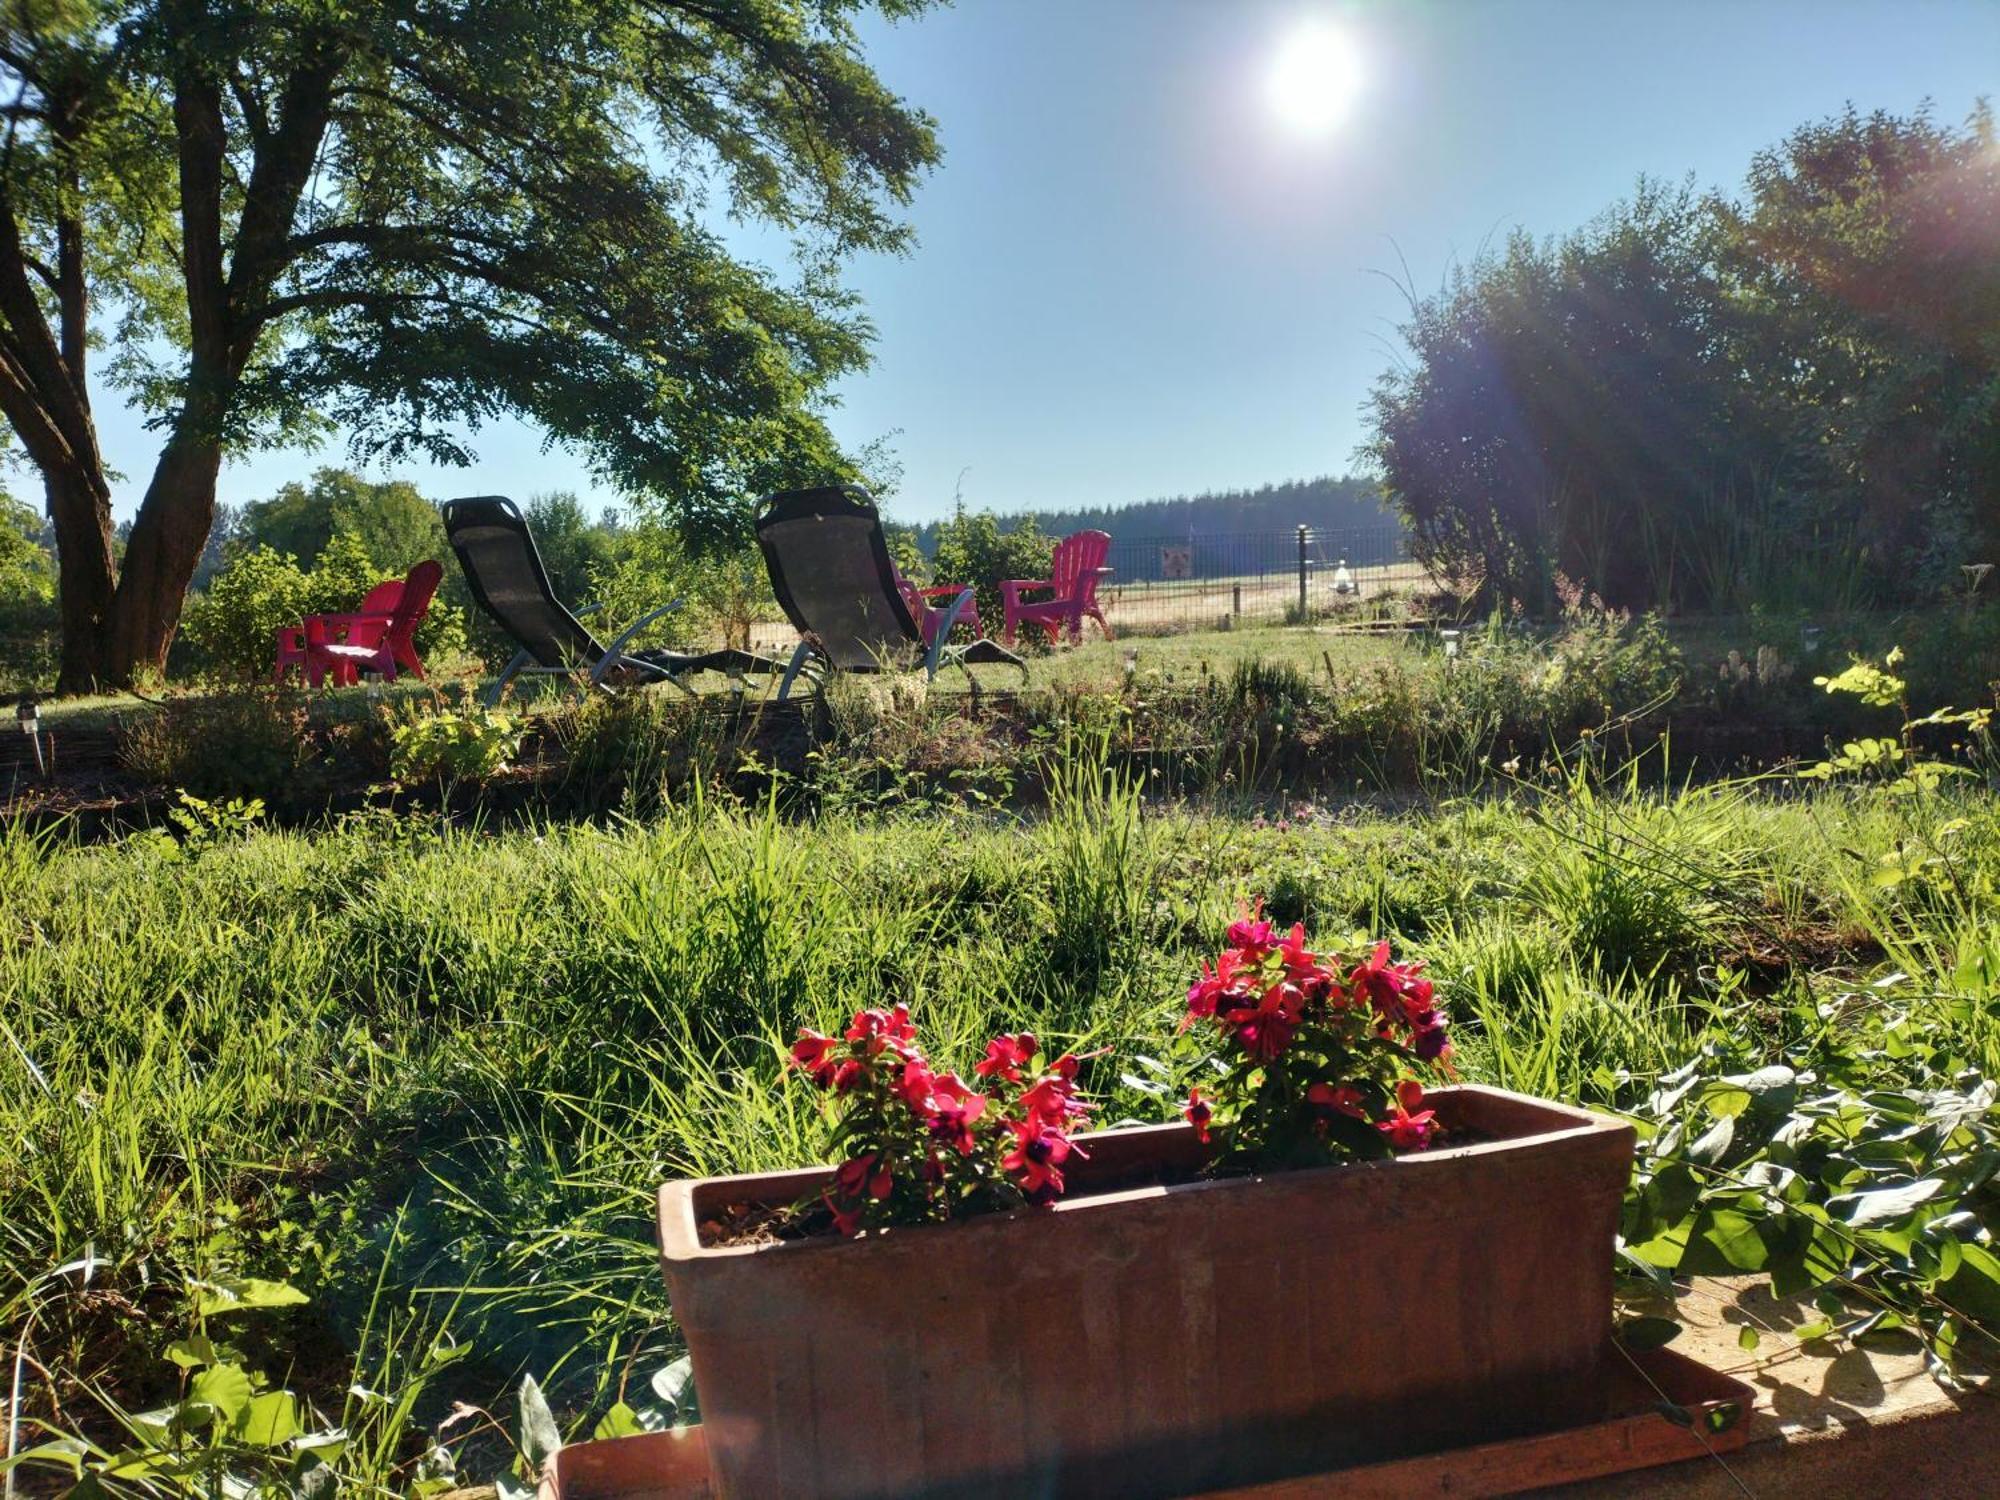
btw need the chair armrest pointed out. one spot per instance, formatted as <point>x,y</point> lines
<point>942,591</point>
<point>1011,589</point>
<point>349,621</point>
<point>615,652</point>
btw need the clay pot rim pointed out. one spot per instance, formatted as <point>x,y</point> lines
<point>679,1228</point>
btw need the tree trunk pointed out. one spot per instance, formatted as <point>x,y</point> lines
<point>87,578</point>
<point>160,559</point>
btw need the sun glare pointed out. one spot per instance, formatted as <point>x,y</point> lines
<point>1313,79</point>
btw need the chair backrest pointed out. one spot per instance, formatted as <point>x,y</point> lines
<point>415,602</point>
<point>830,569</point>
<point>1073,568</point>
<point>382,599</point>
<point>506,576</point>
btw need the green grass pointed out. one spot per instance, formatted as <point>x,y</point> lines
<point>433,1078</point>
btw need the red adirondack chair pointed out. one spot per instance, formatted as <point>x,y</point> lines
<point>380,600</point>
<point>927,618</point>
<point>1073,573</point>
<point>372,641</point>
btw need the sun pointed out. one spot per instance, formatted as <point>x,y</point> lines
<point>1314,79</point>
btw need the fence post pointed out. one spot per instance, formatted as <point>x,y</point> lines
<point>1236,598</point>
<point>1302,575</point>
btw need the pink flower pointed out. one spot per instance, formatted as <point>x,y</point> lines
<point>860,1175</point>
<point>1251,935</point>
<point>953,1109</point>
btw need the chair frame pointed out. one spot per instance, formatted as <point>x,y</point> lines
<point>614,658</point>
<point>1053,615</point>
<point>936,652</point>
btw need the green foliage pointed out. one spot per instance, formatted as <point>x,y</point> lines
<point>468,742</point>
<point>972,550</point>
<point>395,526</point>
<point>1660,409</point>
<point>1854,1169</point>
<point>249,741</point>
<point>27,597</point>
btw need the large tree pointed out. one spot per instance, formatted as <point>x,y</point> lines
<point>407,218</point>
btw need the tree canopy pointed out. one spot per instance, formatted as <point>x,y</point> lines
<point>1701,402</point>
<point>404,220</point>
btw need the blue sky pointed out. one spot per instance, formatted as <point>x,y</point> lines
<point>1136,277</point>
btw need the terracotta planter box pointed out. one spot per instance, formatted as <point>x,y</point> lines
<point>1140,1339</point>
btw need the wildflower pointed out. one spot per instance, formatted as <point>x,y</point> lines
<point>1197,1113</point>
<point>1408,1127</point>
<point>879,1029</point>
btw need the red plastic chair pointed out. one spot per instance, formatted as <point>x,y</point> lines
<point>927,618</point>
<point>380,600</point>
<point>348,645</point>
<point>1073,573</point>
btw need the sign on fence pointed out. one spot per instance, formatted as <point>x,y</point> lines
<point>1177,562</point>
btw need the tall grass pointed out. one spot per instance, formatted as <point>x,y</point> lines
<point>432,1077</point>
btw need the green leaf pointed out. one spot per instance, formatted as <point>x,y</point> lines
<point>191,1353</point>
<point>219,1298</point>
<point>1723,1235</point>
<point>225,1388</point>
<point>674,1384</point>
<point>1648,1333</point>
<point>620,1421</point>
<point>270,1420</point>
<point>1713,1145</point>
<point>1883,1205</point>
<point>1974,1288</point>
<point>541,1439</point>
<point>1819,1328</point>
<point>1747,1338</point>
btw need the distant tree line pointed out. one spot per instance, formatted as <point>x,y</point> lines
<point>1704,402</point>
<point>1332,506</point>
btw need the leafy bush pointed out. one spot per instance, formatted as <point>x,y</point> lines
<point>27,598</point>
<point>233,624</point>
<point>469,743</point>
<point>974,551</point>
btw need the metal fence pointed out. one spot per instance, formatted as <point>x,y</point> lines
<point>1222,580</point>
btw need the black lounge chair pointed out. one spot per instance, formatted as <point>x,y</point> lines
<point>506,576</point>
<point>830,568</point>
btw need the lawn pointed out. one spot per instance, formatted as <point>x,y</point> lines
<point>430,1078</point>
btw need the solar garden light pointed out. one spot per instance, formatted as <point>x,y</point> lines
<point>1131,662</point>
<point>1450,639</point>
<point>29,716</point>
<point>1975,574</point>
<point>1809,637</point>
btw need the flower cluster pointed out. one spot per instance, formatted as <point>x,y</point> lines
<point>919,1144</point>
<point>1317,1048</point>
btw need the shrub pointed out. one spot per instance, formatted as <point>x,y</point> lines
<point>250,741</point>
<point>469,743</point>
<point>233,624</point>
<point>973,550</point>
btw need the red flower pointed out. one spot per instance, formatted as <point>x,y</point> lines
<point>880,1029</point>
<point>847,1075</point>
<point>1251,935</point>
<point>1215,984</point>
<point>860,1175</point>
<point>1342,1099</point>
<point>1006,1056</point>
<point>846,1221</point>
<point>1198,1114</point>
<point>953,1109</point>
<point>1051,1099</point>
<point>1409,1128</point>
<point>809,1056</point>
<point>1036,1160</point>
<point>1263,1027</point>
<point>1300,961</point>
<point>917,1085</point>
